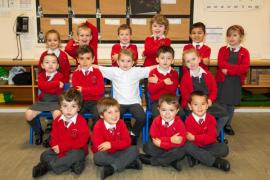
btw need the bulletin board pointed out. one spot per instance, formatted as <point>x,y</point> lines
<point>107,15</point>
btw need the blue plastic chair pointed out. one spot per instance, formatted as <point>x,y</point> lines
<point>128,115</point>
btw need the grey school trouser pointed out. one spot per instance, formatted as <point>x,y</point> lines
<point>207,154</point>
<point>118,160</point>
<point>163,157</point>
<point>59,165</point>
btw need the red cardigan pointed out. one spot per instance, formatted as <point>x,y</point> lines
<point>204,52</point>
<point>64,66</point>
<point>92,84</point>
<point>117,48</point>
<point>240,69</point>
<point>205,133</point>
<point>151,47</point>
<point>186,87</point>
<point>119,140</point>
<point>49,87</point>
<point>157,130</point>
<point>160,88</point>
<point>74,137</point>
<point>71,48</point>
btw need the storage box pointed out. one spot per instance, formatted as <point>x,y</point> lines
<point>264,79</point>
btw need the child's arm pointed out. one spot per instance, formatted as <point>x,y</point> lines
<point>206,56</point>
<point>95,90</point>
<point>107,72</point>
<point>184,89</point>
<point>212,87</point>
<point>135,52</point>
<point>114,53</point>
<point>94,31</point>
<point>71,48</point>
<point>50,87</point>
<point>171,88</point>
<point>97,137</point>
<point>239,69</point>
<point>64,66</point>
<point>40,61</point>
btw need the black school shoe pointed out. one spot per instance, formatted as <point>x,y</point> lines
<point>40,169</point>
<point>222,164</point>
<point>136,164</point>
<point>176,165</point>
<point>145,158</point>
<point>78,167</point>
<point>106,172</point>
<point>191,161</point>
<point>229,130</point>
<point>38,137</point>
<point>134,140</point>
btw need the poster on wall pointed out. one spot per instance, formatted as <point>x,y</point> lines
<point>232,5</point>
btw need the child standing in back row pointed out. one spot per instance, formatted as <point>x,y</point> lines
<point>124,34</point>
<point>233,66</point>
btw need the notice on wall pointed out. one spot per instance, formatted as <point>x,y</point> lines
<point>232,5</point>
<point>214,34</point>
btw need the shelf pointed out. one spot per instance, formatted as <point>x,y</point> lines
<point>255,86</point>
<point>16,86</point>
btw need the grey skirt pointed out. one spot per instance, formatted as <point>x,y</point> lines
<point>49,102</point>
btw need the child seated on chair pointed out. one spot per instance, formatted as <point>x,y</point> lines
<point>50,84</point>
<point>163,79</point>
<point>168,136</point>
<point>89,81</point>
<point>199,79</point>
<point>111,140</point>
<point>201,135</point>
<point>125,83</point>
<point>69,137</point>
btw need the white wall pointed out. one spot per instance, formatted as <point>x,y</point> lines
<point>255,22</point>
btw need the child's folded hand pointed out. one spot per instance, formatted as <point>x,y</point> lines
<point>79,88</point>
<point>190,136</point>
<point>224,71</point>
<point>176,139</point>
<point>104,146</point>
<point>56,149</point>
<point>153,79</point>
<point>61,84</point>
<point>168,81</point>
<point>156,141</point>
<point>210,102</point>
<point>115,57</point>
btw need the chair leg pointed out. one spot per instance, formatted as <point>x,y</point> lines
<point>31,134</point>
<point>222,135</point>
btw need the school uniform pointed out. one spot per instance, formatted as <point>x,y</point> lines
<point>204,148</point>
<point>203,50</point>
<point>71,135</point>
<point>118,47</point>
<point>168,151</point>
<point>71,48</point>
<point>92,83</point>
<point>64,66</point>
<point>151,46</point>
<point>48,85</point>
<point>237,63</point>
<point>121,153</point>
<point>160,88</point>
<point>125,86</point>
<point>206,83</point>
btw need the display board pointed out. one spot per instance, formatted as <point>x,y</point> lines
<point>107,15</point>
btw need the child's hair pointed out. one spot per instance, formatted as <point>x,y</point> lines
<point>189,51</point>
<point>52,31</point>
<point>237,28</point>
<point>83,26</point>
<point>165,49</point>
<point>197,93</point>
<point>85,49</point>
<point>71,95</point>
<point>198,25</point>
<point>124,27</point>
<point>52,55</point>
<point>160,19</point>
<point>126,52</point>
<point>105,103</point>
<point>169,99</point>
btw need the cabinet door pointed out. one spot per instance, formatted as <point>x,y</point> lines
<point>59,24</point>
<point>175,7</point>
<point>113,7</point>
<point>77,21</point>
<point>109,26</point>
<point>179,29</point>
<point>54,6</point>
<point>83,6</point>
<point>140,28</point>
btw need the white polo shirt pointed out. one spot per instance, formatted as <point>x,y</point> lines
<point>125,83</point>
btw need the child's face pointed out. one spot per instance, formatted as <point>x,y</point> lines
<point>165,60</point>
<point>84,36</point>
<point>69,109</point>
<point>192,61</point>
<point>167,111</point>
<point>52,41</point>
<point>197,35</point>
<point>125,62</point>
<point>124,36</point>
<point>50,64</point>
<point>85,60</point>
<point>198,105</point>
<point>234,38</point>
<point>158,30</point>
<point>112,115</point>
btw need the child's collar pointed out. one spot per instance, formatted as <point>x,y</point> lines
<point>54,51</point>
<point>161,71</point>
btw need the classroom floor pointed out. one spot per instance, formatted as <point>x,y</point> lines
<point>249,154</point>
